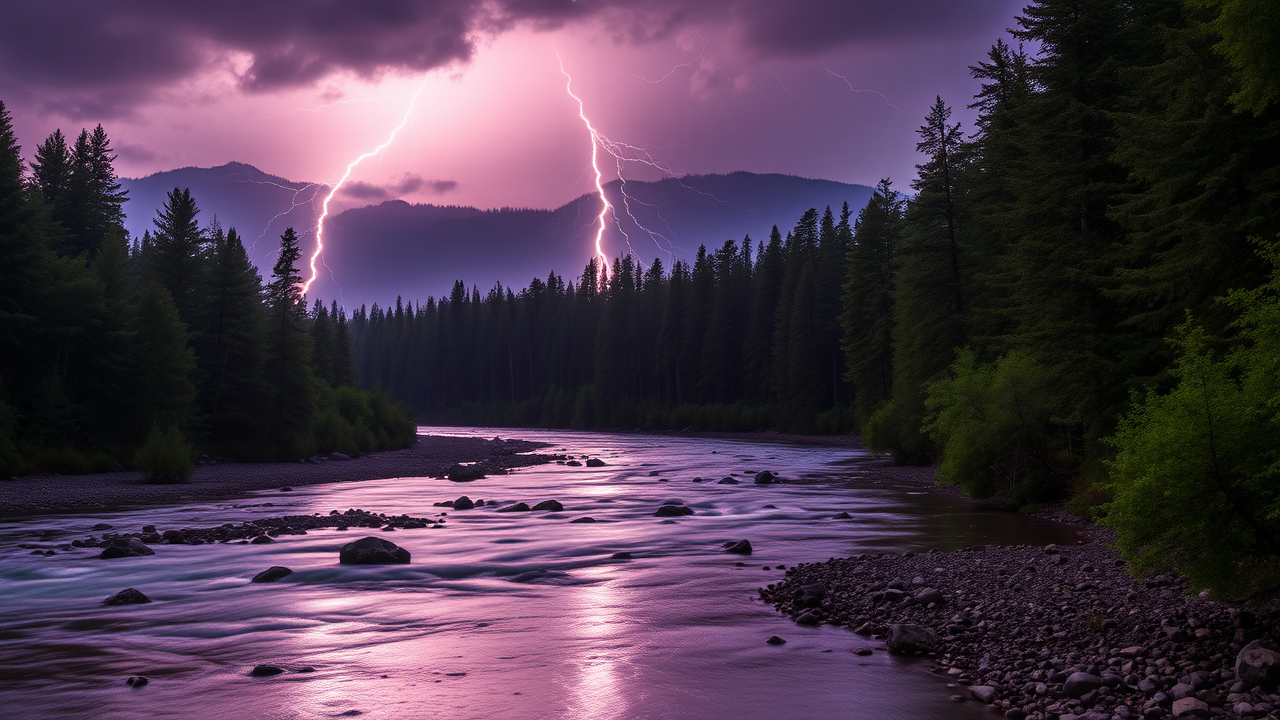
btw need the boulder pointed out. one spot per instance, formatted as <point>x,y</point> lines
<point>983,693</point>
<point>841,516</point>
<point>372,551</point>
<point>1189,707</point>
<point>573,463</point>
<point>518,507</point>
<point>265,670</point>
<point>620,556</point>
<point>673,511</point>
<point>102,526</point>
<point>742,547</point>
<point>1079,683</point>
<point>764,477</point>
<point>551,505</point>
<point>129,596</point>
<point>910,638</point>
<point>136,681</point>
<point>595,462</point>
<point>464,473</point>
<point>727,481</point>
<point>272,574</point>
<point>1258,664</point>
<point>775,640</point>
<point>125,547</point>
<point>584,519</point>
<point>463,503</point>
<point>261,540</point>
<point>930,595</point>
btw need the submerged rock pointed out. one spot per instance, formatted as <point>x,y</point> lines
<point>272,574</point>
<point>128,596</point>
<point>764,477</point>
<point>372,551</point>
<point>595,462</point>
<point>841,516</point>
<point>518,507</point>
<point>265,670</point>
<point>621,556</point>
<point>742,547</point>
<point>673,511</point>
<point>552,505</point>
<point>462,503</point>
<point>727,481</point>
<point>125,547</point>
<point>775,640</point>
<point>584,519</point>
<point>136,681</point>
<point>261,540</point>
<point>465,473</point>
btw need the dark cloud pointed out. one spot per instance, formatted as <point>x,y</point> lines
<point>410,184</point>
<point>83,58</point>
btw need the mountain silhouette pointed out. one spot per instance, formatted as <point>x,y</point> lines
<point>396,249</point>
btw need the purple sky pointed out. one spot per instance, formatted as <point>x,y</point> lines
<point>301,89</point>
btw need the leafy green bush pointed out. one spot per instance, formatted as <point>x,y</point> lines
<point>895,427</point>
<point>350,420</point>
<point>166,457</point>
<point>1196,477</point>
<point>996,425</point>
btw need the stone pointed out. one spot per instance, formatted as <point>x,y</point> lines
<point>621,556</point>
<point>1257,665</point>
<point>727,481</point>
<point>372,551</point>
<point>272,574</point>
<point>1189,707</point>
<point>1079,683</point>
<point>518,507</point>
<point>551,505</point>
<point>573,463</point>
<point>775,640</point>
<point>809,617</point>
<point>102,526</point>
<point>129,596</point>
<point>595,462</point>
<point>841,516</point>
<point>463,503</point>
<point>904,638</point>
<point>125,547</point>
<point>265,670</point>
<point>1181,690</point>
<point>261,540</point>
<point>339,456</point>
<point>584,519</point>
<point>136,681</point>
<point>930,595</point>
<point>742,547</point>
<point>673,511</point>
<point>764,477</point>
<point>983,693</point>
<point>464,473</point>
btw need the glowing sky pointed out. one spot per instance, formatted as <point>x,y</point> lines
<point>298,89</point>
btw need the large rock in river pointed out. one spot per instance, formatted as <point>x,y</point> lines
<point>372,551</point>
<point>673,511</point>
<point>764,477</point>
<point>125,547</point>
<point>1258,665</point>
<point>911,638</point>
<point>272,574</point>
<point>127,597</point>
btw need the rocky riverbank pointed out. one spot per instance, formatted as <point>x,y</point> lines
<point>1050,633</point>
<point>431,456</point>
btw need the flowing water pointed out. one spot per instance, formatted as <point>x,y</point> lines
<point>499,615</point>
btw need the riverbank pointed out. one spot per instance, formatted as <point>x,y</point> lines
<point>1043,632</point>
<point>430,456</point>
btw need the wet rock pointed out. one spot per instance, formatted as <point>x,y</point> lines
<point>742,547</point>
<point>841,516</point>
<point>930,595</point>
<point>809,596</point>
<point>697,479</point>
<point>272,574</point>
<point>136,681</point>
<point>983,693</point>
<point>339,456</point>
<point>595,462</point>
<point>102,526</point>
<point>764,477</point>
<point>464,473</point>
<point>551,505</point>
<point>810,618</point>
<point>463,503</point>
<point>265,670</point>
<point>1257,665</point>
<point>1190,707</point>
<point>125,547</point>
<point>173,537</point>
<point>584,519</point>
<point>621,556</point>
<point>573,463</point>
<point>904,638</point>
<point>775,640</point>
<point>673,511</point>
<point>128,596</point>
<point>262,540</point>
<point>727,481</point>
<point>372,551</point>
<point>1080,683</point>
<point>518,507</point>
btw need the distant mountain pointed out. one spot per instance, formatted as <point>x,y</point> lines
<point>379,252</point>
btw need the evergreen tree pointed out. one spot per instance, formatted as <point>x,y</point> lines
<point>164,361</point>
<point>290,392</point>
<point>173,258</point>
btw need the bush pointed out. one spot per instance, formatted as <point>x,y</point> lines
<point>997,429</point>
<point>166,457</point>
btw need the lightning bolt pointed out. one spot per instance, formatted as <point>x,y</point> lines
<point>855,91</point>
<point>324,206</point>
<point>605,206</point>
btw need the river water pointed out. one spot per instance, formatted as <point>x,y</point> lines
<point>499,615</point>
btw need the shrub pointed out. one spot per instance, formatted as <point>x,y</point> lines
<point>166,457</point>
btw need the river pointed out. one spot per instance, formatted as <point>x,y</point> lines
<point>499,615</point>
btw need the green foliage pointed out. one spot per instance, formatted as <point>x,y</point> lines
<point>1250,39</point>
<point>165,457</point>
<point>997,426</point>
<point>1194,480</point>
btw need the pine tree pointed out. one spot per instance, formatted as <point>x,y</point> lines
<point>174,256</point>
<point>164,362</point>
<point>290,391</point>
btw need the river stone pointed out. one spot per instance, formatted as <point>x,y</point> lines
<point>463,503</point>
<point>930,595</point>
<point>742,547</point>
<point>673,511</point>
<point>261,540</point>
<point>102,526</point>
<point>573,463</point>
<point>552,505</point>
<point>136,681</point>
<point>372,551</point>
<point>272,574</point>
<point>1079,683</point>
<point>583,519</point>
<point>764,477</point>
<point>727,481</point>
<point>775,640</point>
<point>983,693</point>
<point>518,507</point>
<point>621,556</point>
<point>265,670</point>
<point>1189,707</point>
<point>1257,665</point>
<point>910,638</point>
<point>841,516</point>
<point>595,462</point>
<point>125,547</point>
<point>464,473</point>
<point>129,596</point>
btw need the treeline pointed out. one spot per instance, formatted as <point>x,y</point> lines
<point>170,344</point>
<point>1077,300</point>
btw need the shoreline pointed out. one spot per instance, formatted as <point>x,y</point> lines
<point>1047,633</point>
<point>429,456</point>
